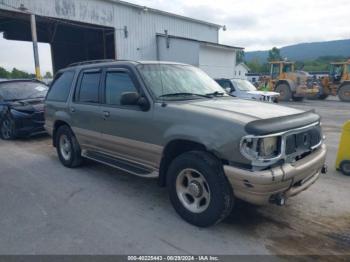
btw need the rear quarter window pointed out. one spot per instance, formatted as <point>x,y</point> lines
<point>61,86</point>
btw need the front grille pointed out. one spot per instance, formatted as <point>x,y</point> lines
<point>304,141</point>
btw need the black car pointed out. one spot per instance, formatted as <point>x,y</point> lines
<point>21,108</point>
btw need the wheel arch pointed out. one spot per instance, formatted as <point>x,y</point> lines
<point>56,126</point>
<point>345,83</point>
<point>173,149</point>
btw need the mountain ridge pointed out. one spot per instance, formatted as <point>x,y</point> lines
<point>306,51</point>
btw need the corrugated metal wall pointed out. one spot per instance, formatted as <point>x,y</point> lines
<point>217,62</point>
<point>142,26</point>
<point>183,51</point>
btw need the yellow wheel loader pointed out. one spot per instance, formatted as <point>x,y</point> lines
<point>291,84</point>
<point>337,82</point>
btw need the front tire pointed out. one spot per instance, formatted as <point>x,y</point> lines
<point>7,128</point>
<point>345,167</point>
<point>285,92</point>
<point>68,148</point>
<point>198,188</point>
<point>344,93</point>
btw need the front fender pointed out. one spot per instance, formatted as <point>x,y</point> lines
<point>3,111</point>
<point>218,139</point>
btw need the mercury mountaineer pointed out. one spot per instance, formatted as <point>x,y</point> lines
<point>172,122</point>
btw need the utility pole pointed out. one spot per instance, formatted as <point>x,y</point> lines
<point>35,46</point>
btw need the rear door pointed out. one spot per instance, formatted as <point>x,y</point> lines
<point>85,109</point>
<point>126,129</point>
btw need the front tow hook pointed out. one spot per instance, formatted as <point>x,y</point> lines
<point>324,169</point>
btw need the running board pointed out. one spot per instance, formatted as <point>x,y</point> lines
<point>121,164</point>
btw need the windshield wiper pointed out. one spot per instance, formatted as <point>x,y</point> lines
<point>216,93</point>
<point>12,100</point>
<point>185,94</point>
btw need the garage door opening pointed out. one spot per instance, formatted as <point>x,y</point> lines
<point>70,41</point>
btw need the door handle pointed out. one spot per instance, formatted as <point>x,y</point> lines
<point>72,109</point>
<point>106,114</point>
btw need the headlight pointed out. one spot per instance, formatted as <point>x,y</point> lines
<point>267,146</point>
<point>261,148</point>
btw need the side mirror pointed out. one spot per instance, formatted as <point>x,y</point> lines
<point>228,90</point>
<point>129,98</point>
<point>134,99</point>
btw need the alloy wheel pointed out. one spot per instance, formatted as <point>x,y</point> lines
<point>6,129</point>
<point>193,190</point>
<point>65,147</point>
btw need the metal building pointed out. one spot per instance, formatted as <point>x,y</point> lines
<point>80,30</point>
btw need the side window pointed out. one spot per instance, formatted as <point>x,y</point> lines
<point>116,84</point>
<point>89,87</point>
<point>275,70</point>
<point>60,88</point>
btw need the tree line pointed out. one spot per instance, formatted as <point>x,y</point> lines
<point>19,74</point>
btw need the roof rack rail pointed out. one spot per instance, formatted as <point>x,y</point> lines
<point>92,62</point>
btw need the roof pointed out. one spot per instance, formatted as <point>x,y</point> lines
<point>153,10</point>
<point>244,65</point>
<point>212,44</point>
<point>108,62</point>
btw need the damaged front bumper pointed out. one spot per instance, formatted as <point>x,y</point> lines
<point>278,183</point>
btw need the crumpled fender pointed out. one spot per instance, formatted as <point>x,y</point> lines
<point>3,111</point>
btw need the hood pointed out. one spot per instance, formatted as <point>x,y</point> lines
<point>240,109</point>
<point>28,106</point>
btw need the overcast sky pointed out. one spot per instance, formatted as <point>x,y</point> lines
<point>253,24</point>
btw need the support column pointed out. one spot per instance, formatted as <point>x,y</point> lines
<point>35,46</point>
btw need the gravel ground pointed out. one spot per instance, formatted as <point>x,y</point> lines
<point>48,209</point>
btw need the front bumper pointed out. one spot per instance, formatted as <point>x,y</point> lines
<point>29,125</point>
<point>262,187</point>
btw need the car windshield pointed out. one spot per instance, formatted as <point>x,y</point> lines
<point>243,85</point>
<point>172,81</point>
<point>11,91</point>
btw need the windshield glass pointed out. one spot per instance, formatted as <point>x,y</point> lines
<point>22,90</point>
<point>243,85</point>
<point>167,80</point>
<point>287,68</point>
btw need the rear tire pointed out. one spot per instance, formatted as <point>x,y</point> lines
<point>198,188</point>
<point>7,128</point>
<point>344,93</point>
<point>68,148</point>
<point>345,167</point>
<point>285,92</point>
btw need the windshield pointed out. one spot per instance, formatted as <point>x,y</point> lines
<point>173,81</point>
<point>243,85</point>
<point>22,90</point>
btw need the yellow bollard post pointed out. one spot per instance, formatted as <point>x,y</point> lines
<point>343,157</point>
